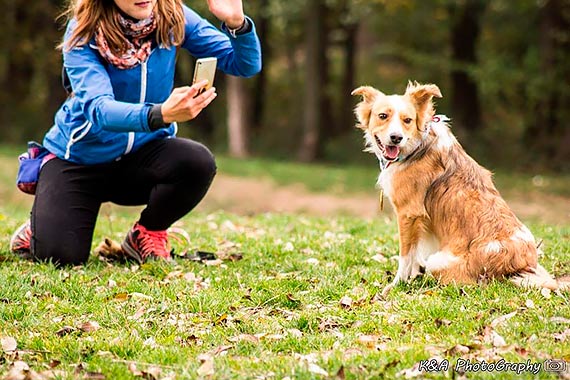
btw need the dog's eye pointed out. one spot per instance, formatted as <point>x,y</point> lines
<point>383,116</point>
<point>408,120</point>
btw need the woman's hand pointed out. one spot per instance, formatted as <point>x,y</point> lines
<point>228,11</point>
<point>184,105</point>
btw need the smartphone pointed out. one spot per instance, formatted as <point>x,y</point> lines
<point>205,69</point>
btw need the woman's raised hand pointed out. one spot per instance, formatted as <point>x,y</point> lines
<point>228,11</point>
<point>184,105</point>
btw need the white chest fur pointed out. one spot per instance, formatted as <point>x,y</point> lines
<point>385,180</point>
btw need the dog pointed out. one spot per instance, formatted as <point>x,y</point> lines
<point>452,221</point>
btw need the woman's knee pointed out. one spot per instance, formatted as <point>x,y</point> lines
<point>64,249</point>
<point>199,161</point>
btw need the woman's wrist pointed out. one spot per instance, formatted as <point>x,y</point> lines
<point>235,23</point>
<point>155,118</point>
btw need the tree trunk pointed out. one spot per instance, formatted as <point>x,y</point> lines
<point>464,36</point>
<point>237,117</point>
<point>316,65</point>
<point>548,136</point>
<point>263,30</point>
<point>347,121</point>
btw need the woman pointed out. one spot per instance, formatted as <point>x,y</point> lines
<point>114,137</point>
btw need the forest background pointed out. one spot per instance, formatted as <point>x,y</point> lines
<point>503,67</point>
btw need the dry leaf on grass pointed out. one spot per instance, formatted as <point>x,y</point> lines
<point>90,326</point>
<point>8,343</point>
<point>346,302</point>
<point>368,341</point>
<point>244,338</point>
<point>500,320</point>
<point>563,336</point>
<point>207,366</point>
<point>313,368</point>
<point>151,373</point>
<point>65,330</point>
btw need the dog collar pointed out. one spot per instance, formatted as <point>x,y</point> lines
<point>437,119</point>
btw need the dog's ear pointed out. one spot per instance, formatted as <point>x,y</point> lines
<point>421,95</point>
<point>368,93</point>
<point>364,108</point>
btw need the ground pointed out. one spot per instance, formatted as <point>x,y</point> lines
<point>246,195</point>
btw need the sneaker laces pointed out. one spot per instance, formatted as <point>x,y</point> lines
<point>153,243</point>
<point>21,238</point>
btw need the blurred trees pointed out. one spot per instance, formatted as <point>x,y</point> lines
<point>502,67</point>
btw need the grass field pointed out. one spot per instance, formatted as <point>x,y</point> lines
<point>293,296</point>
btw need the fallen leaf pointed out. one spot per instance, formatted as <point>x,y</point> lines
<point>340,373</point>
<point>457,349</point>
<point>139,313</point>
<point>411,373</point>
<point>368,341</point>
<point>274,337</point>
<point>346,302</point>
<point>313,368</point>
<point>8,344</point>
<point>90,326</point>
<point>497,340</point>
<point>121,296</point>
<point>152,373</point>
<point>244,337</point>
<point>379,258</point>
<point>546,293</point>
<point>207,366</point>
<point>295,333</point>
<point>136,295</point>
<point>563,336</point>
<point>222,318</point>
<point>499,320</point>
<point>18,371</point>
<point>132,367</point>
<point>150,342</point>
<point>220,350</point>
<point>441,322</point>
<point>213,263</point>
<point>65,330</point>
<point>292,299</point>
<point>559,320</point>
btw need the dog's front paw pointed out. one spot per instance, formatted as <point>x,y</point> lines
<point>110,250</point>
<point>386,290</point>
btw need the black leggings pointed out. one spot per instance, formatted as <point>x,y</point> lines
<point>169,176</point>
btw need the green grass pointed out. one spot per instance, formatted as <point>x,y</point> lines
<point>274,314</point>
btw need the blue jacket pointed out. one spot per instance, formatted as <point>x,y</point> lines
<point>107,115</point>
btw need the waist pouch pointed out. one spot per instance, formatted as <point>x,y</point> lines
<point>31,163</point>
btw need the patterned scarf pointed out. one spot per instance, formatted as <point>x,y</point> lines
<point>137,48</point>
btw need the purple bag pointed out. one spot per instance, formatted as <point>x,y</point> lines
<point>31,163</point>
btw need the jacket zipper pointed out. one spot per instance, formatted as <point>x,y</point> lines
<point>131,136</point>
<point>83,129</point>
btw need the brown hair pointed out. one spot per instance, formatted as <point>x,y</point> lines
<point>90,14</point>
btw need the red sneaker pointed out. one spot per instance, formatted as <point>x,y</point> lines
<point>142,244</point>
<point>20,240</point>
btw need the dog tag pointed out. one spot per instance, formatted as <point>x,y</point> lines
<point>381,200</point>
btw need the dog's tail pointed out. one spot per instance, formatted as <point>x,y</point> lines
<point>540,278</point>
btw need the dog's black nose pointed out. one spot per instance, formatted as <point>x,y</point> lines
<point>396,138</point>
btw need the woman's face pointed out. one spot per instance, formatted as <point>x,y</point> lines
<point>137,9</point>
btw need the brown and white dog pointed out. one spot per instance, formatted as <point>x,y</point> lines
<point>452,221</point>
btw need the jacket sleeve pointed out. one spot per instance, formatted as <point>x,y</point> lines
<point>92,87</point>
<point>240,55</point>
